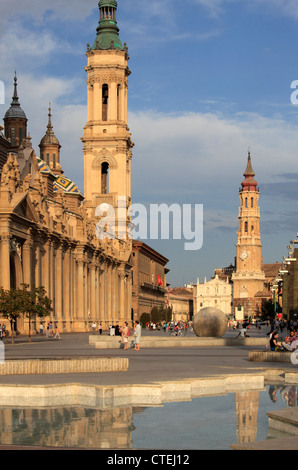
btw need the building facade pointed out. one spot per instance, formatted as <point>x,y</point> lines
<point>50,234</point>
<point>215,293</point>
<point>149,284</point>
<point>181,303</point>
<point>248,278</point>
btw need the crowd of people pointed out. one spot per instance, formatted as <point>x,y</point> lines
<point>289,343</point>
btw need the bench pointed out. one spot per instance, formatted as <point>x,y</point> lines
<point>273,356</point>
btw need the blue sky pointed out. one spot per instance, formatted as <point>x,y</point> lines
<point>210,79</point>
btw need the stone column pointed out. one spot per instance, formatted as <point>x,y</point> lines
<point>58,272</point>
<point>97,103</point>
<point>5,259</point>
<point>109,293</point>
<point>90,102</point>
<point>92,292</point>
<point>81,313</point>
<point>27,261</point>
<point>38,254</point>
<point>46,264</point>
<point>122,297</point>
<point>66,285</point>
<point>73,302</point>
<point>102,294</point>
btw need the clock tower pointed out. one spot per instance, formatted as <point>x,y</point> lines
<point>249,278</point>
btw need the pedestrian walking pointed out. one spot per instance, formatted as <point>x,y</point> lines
<point>124,333</point>
<point>51,332</point>
<point>94,327</point>
<point>100,329</point>
<point>57,334</point>
<point>41,328</point>
<point>137,335</point>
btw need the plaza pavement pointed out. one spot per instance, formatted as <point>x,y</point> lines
<point>145,366</point>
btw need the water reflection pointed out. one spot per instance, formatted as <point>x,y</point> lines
<point>287,393</point>
<point>231,417</point>
<point>67,427</point>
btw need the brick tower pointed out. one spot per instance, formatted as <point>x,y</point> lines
<point>249,277</point>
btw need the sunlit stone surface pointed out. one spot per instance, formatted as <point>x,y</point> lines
<point>210,322</point>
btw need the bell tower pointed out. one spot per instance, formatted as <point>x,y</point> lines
<point>249,277</point>
<point>106,140</point>
<point>15,121</point>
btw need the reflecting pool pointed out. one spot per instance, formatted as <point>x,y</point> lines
<point>214,422</point>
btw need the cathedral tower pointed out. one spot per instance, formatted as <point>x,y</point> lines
<point>15,121</point>
<point>50,148</point>
<point>106,139</point>
<point>249,277</point>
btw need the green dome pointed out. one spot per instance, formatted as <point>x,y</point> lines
<point>108,3</point>
<point>107,30</point>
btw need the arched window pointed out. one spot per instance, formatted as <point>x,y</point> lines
<point>118,102</point>
<point>104,178</point>
<point>252,202</point>
<point>20,135</point>
<point>246,202</point>
<point>246,227</point>
<point>105,102</point>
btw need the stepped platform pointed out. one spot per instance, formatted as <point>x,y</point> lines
<point>64,365</point>
<point>114,342</point>
<point>273,356</point>
<point>282,423</point>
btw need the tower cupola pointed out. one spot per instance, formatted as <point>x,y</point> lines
<point>50,147</point>
<point>249,184</point>
<point>107,30</point>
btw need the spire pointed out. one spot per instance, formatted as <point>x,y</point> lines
<point>15,110</point>
<point>249,184</point>
<point>49,126</point>
<point>15,98</point>
<point>49,137</point>
<point>107,30</point>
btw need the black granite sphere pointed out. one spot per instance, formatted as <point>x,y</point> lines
<point>210,322</point>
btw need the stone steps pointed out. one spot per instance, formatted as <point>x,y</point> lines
<point>63,366</point>
<point>283,422</point>
<point>271,356</point>
<point>114,342</point>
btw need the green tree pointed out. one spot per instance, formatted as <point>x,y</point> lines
<point>11,306</point>
<point>35,303</point>
<point>268,309</point>
<point>155,315</point>
<point>144,318</point>
<point>168,313</point>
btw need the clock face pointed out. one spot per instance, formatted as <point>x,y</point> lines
<point>244,255</point>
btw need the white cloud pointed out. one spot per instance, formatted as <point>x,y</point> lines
<point>58,9</point>
<point>199,146</point>
<point>286,7</point>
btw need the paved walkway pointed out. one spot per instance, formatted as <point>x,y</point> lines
<point>145,366</point>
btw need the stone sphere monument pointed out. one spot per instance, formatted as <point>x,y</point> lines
<point>210,322</point>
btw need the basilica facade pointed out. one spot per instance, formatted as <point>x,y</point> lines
<point>50,233</point>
